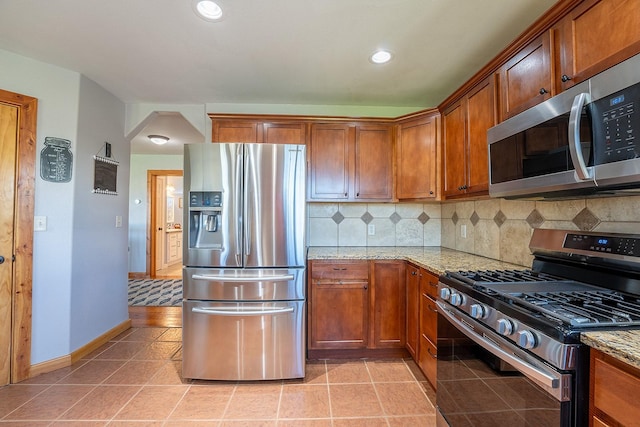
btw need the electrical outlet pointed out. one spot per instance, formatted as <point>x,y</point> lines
<point>463,231</point>
<point>371,229</point>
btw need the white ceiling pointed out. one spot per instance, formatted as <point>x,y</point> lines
<point>269,52</point>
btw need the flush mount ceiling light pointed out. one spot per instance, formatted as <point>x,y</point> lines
<point>207,10</point>
<point>158,139</point>
<point>381,57</point>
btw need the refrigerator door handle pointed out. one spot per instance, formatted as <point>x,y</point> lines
<point>247,206</point>
<point>218,278</point>
<point>236,312</point>
<point>237,201</point>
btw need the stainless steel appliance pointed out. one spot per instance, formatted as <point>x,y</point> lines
<point>583,141</point>
<point>245,258</point>
<point>509,351</point>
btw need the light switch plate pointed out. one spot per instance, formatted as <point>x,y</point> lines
<point>118,221</point>
<point>463,231</point>
<point>371,229</point>
<point>39,223</point>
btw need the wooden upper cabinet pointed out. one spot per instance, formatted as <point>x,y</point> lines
<point>284,133</point>
<point>331,158</point>
<point>526,79</point>
<point>373,173</point>
<point>275,132</point>
<point>465,155</point>
<point>416,158</point>
<point>596,35</point>
<point>236,131</point>
<point>351,162</point>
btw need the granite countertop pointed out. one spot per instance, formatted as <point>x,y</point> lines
<point>623,345</point>
<point>434,259</point>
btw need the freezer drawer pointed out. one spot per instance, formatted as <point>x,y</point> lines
<point>211,284</point>
<point>243,341</point>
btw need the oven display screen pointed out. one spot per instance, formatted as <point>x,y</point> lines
<point>617,100</point>
<point>629,246</point>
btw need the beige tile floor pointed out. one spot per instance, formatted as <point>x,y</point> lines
<point>135,380</point>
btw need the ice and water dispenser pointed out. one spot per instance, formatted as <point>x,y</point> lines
<point>205,216</point>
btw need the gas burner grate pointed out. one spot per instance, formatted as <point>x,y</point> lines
<point>478,277</point>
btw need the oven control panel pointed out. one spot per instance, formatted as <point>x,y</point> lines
<point>608,244</point>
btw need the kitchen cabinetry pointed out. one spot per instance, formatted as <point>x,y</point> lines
<point>413,309</point>
<point>351,162</point>
<point>465,125</point>
<point>272,132</point>
<point>594,36</point>
<point>416,158</point>
<point>428,313</point>
<point>174,246</point>
<point>614,387</point>
<point>526,78</point>
<point>356,305</point>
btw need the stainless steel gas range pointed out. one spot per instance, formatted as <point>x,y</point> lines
<point>509,351</point>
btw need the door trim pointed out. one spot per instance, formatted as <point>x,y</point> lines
<point>23,233</point>
<point>152,175</point>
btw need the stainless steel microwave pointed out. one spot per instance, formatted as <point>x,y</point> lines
<point>584,141</point>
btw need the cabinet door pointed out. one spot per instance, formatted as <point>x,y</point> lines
<point>330,157</point>
<point>526,80</point>
<point>285,133</point>
<point>416,159</point>
<point>373,163</point>
<point>481,115</point>
<point>454,150</point>
<point>596,35</point>
<point>413,304</point>
<point>339,315</point>
<point>389,313</point>
<point>236,131</point>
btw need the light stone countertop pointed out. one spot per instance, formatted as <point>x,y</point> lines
<point>623,345</point>
<point>434,259</point>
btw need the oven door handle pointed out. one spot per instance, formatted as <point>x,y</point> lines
<point>534,373</point>
<point>243,279</point>
<point>236,312</point>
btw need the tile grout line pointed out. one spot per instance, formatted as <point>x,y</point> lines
<point>375,390</point>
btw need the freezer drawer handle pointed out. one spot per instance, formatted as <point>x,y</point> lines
<point>235,312</point>
<point>277,278</point>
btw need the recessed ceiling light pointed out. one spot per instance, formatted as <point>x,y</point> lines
<point>158,139</point>
<point>381,56</point>
<point>208,9</point>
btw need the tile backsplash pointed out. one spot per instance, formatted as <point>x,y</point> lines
<point>495,228</point>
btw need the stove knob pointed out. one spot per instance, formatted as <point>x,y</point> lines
<point>445,293</point>
<point>505,327</point>
<point>456,299</point>
<point>526,340</point>
<point>478,311</point>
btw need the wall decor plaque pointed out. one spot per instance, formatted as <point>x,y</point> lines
<point>56,160</point>
<point>105,175</point>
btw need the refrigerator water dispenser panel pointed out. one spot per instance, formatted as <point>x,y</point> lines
<point>205,199</point>
<point>205,215</point>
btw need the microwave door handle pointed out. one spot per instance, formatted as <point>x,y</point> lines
<point>575,146</point>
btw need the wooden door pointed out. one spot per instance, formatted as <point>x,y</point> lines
<point>236,131</point>
<point>454,152</point>
<point>481,115</point>
<point>18,115</point>
<point>526,79</point>
<point>161,208</point>
<point>331,158</point>
<point>285,133</point>
<point>416,161</point>
<point>596,35</point>
<point>373,163</point>
<point>8,146</point>
<point>389,307</point>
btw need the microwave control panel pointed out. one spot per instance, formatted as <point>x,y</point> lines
<point>617,125</point>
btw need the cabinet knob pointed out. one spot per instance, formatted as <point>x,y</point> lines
<point>543,91</point>
<point>431,193</point>
<point>414,273</point>
<point>565,78</point>
<point>364,287</point>
<point>1,259</point>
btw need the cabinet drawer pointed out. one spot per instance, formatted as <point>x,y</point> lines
<point>339,270</point>
<point>427,359</point>
<point>615,392</point>
<point>429,284</point>
<point>428,318</point>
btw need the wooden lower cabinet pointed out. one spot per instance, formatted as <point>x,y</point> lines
<point>428,314</point>
<point>356,305</point>
<point>614,390</point>
<point>413,309</point>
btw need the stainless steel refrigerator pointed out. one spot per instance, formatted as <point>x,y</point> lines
<point>244,261</point>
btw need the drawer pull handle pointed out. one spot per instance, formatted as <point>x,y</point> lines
<point>435,356</point>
